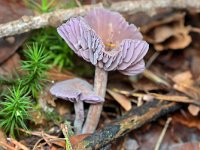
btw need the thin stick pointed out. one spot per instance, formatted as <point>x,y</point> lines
<point>28,23</point>
<point>18,144</point>
<point>152,59</point>
<point>94,113</point>
<point>195,29</point>
<point>162,134</point>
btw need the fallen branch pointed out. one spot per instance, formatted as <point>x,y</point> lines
<point>132,120</point>
<point>27,23</point>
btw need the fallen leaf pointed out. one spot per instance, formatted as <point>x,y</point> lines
<point>55,75</point>
<point>189,121</point>
<point>184,83</point>
<point>184,78</point>
<point>2,138</point>
<point>77,138</point>
<point>121,99</point>
<point>11,10</point>
<point>18,144</point>
<point>194,110</point>
<point>168,32</point>
<point>185,146</point>
<point>10,66</point>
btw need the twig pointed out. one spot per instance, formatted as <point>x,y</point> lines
<point>195,29</point>
<point>132,120</point>
<point>157,147</point>
<point>37,133</point>
<point>18,144</point>
<point>27,23</point>
<point>152,59</point>
<point>153,77</point>
<point>36,144</point>
<point>78,3</point>
<point>6,146</point>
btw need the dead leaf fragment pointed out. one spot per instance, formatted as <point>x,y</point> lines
<point>11,10</point>
<point>121,99</point>
<point>77,138</point>
<point>168,32</point>
<point>185,146</point>
<point>55,75</point>
<point>189,121</point>
<point>10,66</point>
<point>184,83</point>
<point>194,110</point>
<point>2,138</point>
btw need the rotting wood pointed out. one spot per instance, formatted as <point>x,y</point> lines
<point>134,119</point>
<point>27,23</point>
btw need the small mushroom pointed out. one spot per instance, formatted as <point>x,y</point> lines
<point>107,41</point>
<point>77,91</point>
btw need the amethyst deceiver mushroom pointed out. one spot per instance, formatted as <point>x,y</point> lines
<point>77,91</point>
<point>105,39</point>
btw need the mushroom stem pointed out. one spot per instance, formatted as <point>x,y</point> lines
<point>79,117</point>
<point>94,113</point>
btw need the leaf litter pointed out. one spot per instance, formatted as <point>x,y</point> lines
<point>166,79</point>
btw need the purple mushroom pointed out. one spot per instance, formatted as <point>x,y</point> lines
<point>77,91</point>
<point>105,39</point>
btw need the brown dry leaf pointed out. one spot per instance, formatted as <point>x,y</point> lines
<point>145,85</point>
<point>189,121</point>
<point>121,99</point>
<point>168,32</point>
<point>60,143</point>
<point>184,83</point>
<point>185,146</point>
<point>55,75</point>
<point>194,110</point>
<point>77,138</point>
<point>10,66</point>
<point>18,145</point>
<point>11,10</point>
<point>2,138</point>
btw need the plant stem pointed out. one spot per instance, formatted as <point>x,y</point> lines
<point>94,113</point>
<point>79,116</point>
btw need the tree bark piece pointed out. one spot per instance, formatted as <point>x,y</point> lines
<point>27,23</point>
<point>134,119</point>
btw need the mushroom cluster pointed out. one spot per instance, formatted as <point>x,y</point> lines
<point>105,39</point>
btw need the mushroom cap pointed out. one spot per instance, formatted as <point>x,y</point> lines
<point>105,39</point>
<point>75,90</point>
